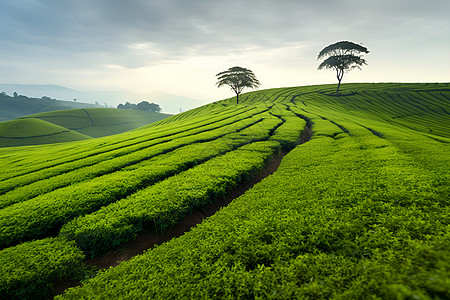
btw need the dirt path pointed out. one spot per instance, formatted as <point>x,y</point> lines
<point>148,237</point>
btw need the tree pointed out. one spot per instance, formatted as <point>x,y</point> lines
<point>145,105</point>
<point>342,56</point>
<point>155,107</point>
<point>237,78</point>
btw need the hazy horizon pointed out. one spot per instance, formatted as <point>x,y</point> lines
<point>177,47</point>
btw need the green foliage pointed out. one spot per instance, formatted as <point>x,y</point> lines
<point>42,214</point>
<point>237,79</point>
<point>28,270</point>
<point>337,220</point>
<point>143,105</point>
<point>163,204</point>
<point>34,131</point>
<point>71,167</point>
<point>360,211</point>
<point>72,125</point>
<point>288,134</point>
<point>20,105</point>
<point>341,57</point>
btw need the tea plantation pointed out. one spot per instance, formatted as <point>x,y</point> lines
<point>72,125</point>
<point>357,210</point>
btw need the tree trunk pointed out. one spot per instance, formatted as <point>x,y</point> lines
<point>339,84</point>
<point>339,75</point>
<point>237,98</point>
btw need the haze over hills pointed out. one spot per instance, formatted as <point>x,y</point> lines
<point>169,103</point>
<point>73,125</point>
<point>308,194</point>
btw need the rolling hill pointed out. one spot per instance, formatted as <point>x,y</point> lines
<point>33,131</point>
<point>169,103</point>
<point>295,193</point>
<point>72,125</point>
<point>13,107</point>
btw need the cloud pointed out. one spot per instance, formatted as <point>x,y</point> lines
<point>81,36</point>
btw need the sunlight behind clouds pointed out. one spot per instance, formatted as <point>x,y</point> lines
<point>179,46</point>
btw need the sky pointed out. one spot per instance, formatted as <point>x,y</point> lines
<point>178,46</point>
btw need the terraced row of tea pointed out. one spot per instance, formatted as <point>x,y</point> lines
<point>359,211</point>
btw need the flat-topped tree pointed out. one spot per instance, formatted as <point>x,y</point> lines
<point>237,78</point>
<point>342,56</point>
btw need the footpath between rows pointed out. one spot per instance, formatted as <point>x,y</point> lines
<point>150,237</point>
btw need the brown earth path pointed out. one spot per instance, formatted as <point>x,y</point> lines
<point>149,237</point>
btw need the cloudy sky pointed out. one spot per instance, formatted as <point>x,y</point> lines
<point>178,46</point>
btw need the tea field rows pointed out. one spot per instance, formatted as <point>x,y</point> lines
<point>359,211</point>
<point>72,125</point>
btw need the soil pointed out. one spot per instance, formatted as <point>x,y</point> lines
<point>149,238</point>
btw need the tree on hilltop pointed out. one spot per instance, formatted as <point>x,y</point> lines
<point>237,78</point>
<point>143,105</point>
<point>342,56</point>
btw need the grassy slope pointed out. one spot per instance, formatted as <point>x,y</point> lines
<point>74,124</point>
<point>33,131</point>
<point>360,211</point>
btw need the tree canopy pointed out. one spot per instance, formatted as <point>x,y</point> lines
<point>237,78</point>
<point>143,105</point>
<point>342,56</point>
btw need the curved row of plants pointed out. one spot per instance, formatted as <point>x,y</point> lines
<point>39,183</point>
<point>222,163</point>
<point>68,160</point>
<point>360,211</point>
<point>38,216</point>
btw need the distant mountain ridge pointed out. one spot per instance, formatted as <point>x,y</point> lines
<point>72,125</point>
<point>17,105</point>
<point>169,103</point>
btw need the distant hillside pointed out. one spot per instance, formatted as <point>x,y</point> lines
<point>72,125</point>
<point>34,131</point>
<point>169,103</point>
<point>14,106</point>
<point>294,193</point>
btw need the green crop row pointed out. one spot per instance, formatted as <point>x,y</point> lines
<point>33,266</point>
<point>113,160</point>
<point>357,215</point>
<point>40,187</point>
<point>61,157</point>
<point>105,145</point>
<point>36,217</point>
<point>28,270</point>
<point>164,203</point>
<point>320,126</point>
<point>365,223</point>
<point>288,134</point>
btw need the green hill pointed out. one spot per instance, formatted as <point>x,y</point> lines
<point>33,131</point>
<point>98,122</point>
<point>12,107</point>
<point>73,124</point>
<point>357,209</point>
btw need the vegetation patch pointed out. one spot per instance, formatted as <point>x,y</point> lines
<point>360,211</point>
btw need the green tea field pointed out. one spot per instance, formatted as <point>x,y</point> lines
<point>298,193</point>
<point>72,125</point>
